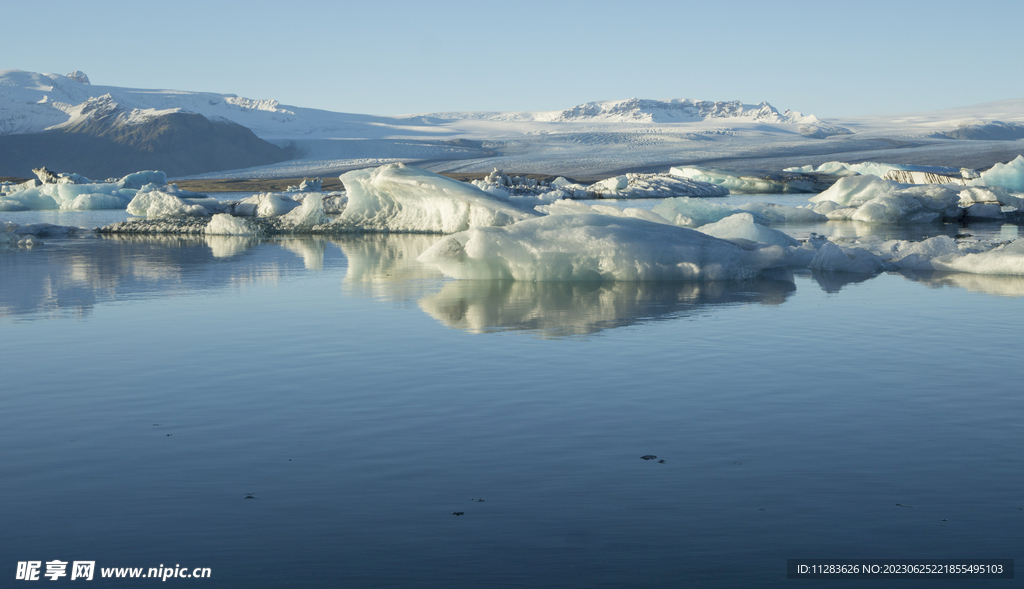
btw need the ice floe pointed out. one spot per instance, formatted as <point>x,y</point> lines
<point>872,199</point>
<point>1004,260</point>
<point>625,186</point>
<point>694,212</point>
<point>741,226</point>
<point>596,247</point>
<point>225,224</point>
<point>157,205</point>
<point>77,193</point>
<point>396,197</point>
<point>779,182</point>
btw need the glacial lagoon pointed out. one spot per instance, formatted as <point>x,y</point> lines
<point>314,411</point>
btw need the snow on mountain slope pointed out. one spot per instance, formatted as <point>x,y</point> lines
<point>596,138</point>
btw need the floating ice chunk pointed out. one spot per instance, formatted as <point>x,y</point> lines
<point>984,210</point>
<point>745,184</point>
<point>224,224</point>
<point>95,202</point>
<point>596,247</point>
<point>1007,259</point>
<point>8,205</point>
<point>883,201</point>
<point>783,214</point>
<point>627,186</point>
<point>880,170</point>
<point>309,214</point>
<point>920,177</point>
<point>832,258</point>
<point>854,191</point>
<point>915,254</point>
<point>1009,175</point>
<point>571,207</point>
<point>158,204</point>
<point>694,212</point>
<point>396,197</point>
<point>314,185</point>
<point>742,226</point>
<point>139,179</point>
<point>614,184</point>
<point>265,204</point>
<point>989,194</point>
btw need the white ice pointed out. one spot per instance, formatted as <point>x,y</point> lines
<point>873,200</point>
<point>1009,175</point>
<point>596,247</point>
<point>401,198</point>
<point>741,226</point>
<point>694,212</point>
<point>307,215</point>
<point>739,184</point>
<point>224,224</point>
<point>158,204</point>
<point>1007,260</point>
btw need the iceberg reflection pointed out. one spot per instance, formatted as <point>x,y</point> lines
<point>560,309</point>
<point>1002,286</point>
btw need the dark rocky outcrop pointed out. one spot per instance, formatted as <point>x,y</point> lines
<point>107,146</point>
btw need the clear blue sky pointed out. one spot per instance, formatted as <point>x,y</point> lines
<point>829,58</point>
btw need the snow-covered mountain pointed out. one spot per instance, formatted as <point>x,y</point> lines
<point>595,138</point>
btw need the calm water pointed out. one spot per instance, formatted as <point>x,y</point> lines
<point>149,385</point>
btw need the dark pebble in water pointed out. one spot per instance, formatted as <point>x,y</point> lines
<point>945,520</point>
<point>250,496</point>
<point>760,509</point>
<point>901,505</point>
<point>168,435</point>
<point>479,500</point>
<point>458,513</point>
<point>156,424</point>
<point>661,462</point>
<point>648,457</point>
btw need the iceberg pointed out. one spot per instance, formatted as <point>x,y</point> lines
<point>569,207</point>
<point>401,198</point>
<point>832,258</point>
<point>156,204</point>
<point>780,182</point>
<point>225,224</point>
<point>1006,260</point>
<point>596,248</point>
<point>1009,175</point>
<point>265,204</point>
<point>695,212</point>
<point>871,199</point>
<point>741,226</point>
<point>625,186</point>
<point>781,214</point>
<point>307,215</point>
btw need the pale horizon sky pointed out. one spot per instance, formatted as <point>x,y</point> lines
<point>829,59</point>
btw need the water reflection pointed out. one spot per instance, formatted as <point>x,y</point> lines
<point>1003,286</point>
<point>558,309</point>
<point>69,278</point>
<point>833,282</point>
